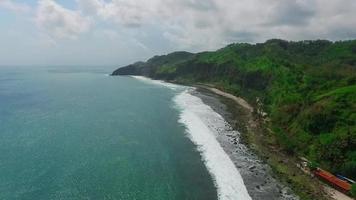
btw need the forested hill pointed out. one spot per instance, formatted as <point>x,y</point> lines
<point>308,89</point>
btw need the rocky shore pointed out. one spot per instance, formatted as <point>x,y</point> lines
<point>267,170</point>
<point>257,175</point>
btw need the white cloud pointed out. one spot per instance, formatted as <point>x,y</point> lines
<point>59,22</point>
<point>13,6</point>
<point>120,31</point>
<point>202,24</point>
<point>126,13</point>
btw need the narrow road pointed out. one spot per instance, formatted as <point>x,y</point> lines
<point>336,194</point>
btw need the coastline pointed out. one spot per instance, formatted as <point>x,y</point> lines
<point>257,175</point>
<point>267,172</point>
<point>272,162</point>
<point>202,126</point>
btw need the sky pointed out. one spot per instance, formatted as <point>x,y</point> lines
<point>118,32</point>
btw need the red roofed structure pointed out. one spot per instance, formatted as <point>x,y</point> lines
<point>336,182</point>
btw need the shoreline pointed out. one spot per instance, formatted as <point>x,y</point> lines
<point>268,173</point>
<point>257,175</point>
<point>202,126</point>
<point>260,141</point>
<point>237,173</point>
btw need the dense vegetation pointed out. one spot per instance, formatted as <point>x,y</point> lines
<point>308,89</point>
<point>353,190</point>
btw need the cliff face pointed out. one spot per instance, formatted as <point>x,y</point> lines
<point>133,69</point>
<point>156,67</point>
<point>308,88</point>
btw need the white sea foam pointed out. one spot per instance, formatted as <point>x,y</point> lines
<point>202,123</point>
<point>158,82</point>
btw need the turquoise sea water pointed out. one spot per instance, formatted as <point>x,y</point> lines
<point>79,134</point>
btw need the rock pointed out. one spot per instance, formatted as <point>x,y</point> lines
<point>252,167</point>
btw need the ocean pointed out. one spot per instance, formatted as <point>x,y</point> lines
<point>74,133</point>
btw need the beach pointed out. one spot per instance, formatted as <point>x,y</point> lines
<point>257,175</point>
<point>214,122</point>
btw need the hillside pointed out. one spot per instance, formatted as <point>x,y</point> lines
<point>308,89</point>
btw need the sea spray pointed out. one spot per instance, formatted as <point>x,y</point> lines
<point>202,124</point>
<point>159,83</point>
<point>229,183</point>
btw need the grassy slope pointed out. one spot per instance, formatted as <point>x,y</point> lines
<point>308,89</point>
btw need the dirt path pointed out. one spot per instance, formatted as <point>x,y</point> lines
<point>336,194</point>
<point>238,100</point>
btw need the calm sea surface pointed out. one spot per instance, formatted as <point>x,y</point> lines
<point>80,134</point>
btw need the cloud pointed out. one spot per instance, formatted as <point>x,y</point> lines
<point>119,31</point>
<point>125,13</point>
<point>199,5</point>
<point>59,22</point>
<point>208,24</point>
<point>259,20</point>
<point>13,6</point>
<point>293,12</point>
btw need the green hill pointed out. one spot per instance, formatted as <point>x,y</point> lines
<point>308,89</point>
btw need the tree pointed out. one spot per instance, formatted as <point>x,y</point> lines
<point>353,190</point>
<point>313,165</point>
